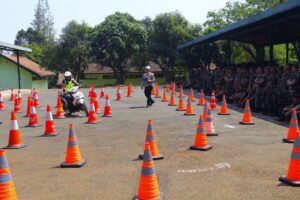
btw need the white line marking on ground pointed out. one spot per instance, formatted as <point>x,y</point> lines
<point>229,126</point>
<point>214,168</point>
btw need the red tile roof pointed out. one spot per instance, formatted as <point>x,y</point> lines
<point>30,66</point>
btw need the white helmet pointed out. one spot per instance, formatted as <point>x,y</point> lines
<point>67,73</point>
<point>147,67</point>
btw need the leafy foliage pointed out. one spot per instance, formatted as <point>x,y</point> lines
<point>119,42</point>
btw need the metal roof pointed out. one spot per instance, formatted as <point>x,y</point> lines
<point>11,47</point>
<point>284,20</point>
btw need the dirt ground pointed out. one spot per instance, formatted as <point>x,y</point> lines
<point>245,161</point>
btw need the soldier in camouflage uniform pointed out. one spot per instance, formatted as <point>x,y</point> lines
<point>236,86</point>
<point>259,83</point>
<point>282,92</point>
<point>251,88</point>
<point>229,80</point>
<point>244,83</point>
<point>269,106</point>
<point>294,90</point>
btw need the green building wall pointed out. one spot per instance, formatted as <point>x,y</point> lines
<point>9,77</point>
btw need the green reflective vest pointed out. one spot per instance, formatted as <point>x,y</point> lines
<point>69,86</point>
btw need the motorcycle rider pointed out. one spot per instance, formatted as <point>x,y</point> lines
<point>69,82</point>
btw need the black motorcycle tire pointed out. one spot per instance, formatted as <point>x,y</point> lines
<point>83,107</point>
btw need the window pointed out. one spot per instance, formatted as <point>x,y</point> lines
<point>90,76</point>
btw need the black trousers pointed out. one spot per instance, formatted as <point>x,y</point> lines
<point>148,90</point>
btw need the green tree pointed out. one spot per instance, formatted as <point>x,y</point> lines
<point>119,43</point>
<point>74,47</point>
<point>169,30</point>
<point>43,21</point>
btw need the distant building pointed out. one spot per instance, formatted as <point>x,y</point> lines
<point>32,75</point>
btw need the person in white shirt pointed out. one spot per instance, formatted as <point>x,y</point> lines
<point>147,82</point>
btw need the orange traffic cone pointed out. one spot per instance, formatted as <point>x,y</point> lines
<point>189,108</point>
<point>213,102</point>
<point>224,109</point>
<point>107,108</point>
<point>90,91</point>
<point>12,95</point>
<point>167,87</point>
<point>49,125</point>
<point>7,187</point>
<point>205,111</point>
<point>181,92</point>
<point>20,97</point>
<point>209,124</point>
<point>73,156</point>
<point>102,94</point>
<point>293,132</point>
<point>157,95</point>
<point>33,118</point>
<point>129,90</point>
<point>247,117</point>
<point>181,106</point>
<point>28,106</point>
<point>148,186</point>
<point>201,101</point>
<point>293,175</point>
<point>174,88</point>
<point>201,143</point>
<point>60,114</point>
<point>92,118</point>
<point>15,140</point>
<point>165,97</point>
<point>153,92</point>
<point>119,94</point>
<point>96,105</point>
<point>17,106</point>
<point>1,102</point>
<point>192,97</point>
<point>172,100</point>
<point>151,140</point>
<point>36,99</point>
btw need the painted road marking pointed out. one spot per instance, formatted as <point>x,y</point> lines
<point>229,126</point>
<point>214,168</point>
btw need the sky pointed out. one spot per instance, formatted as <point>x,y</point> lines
<point>18,14</point>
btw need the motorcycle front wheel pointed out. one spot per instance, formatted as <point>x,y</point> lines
<point>83,107</point>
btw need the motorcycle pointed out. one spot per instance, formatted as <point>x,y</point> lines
<point>73,101</point>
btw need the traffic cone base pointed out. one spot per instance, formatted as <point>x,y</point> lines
<point>177,109</point>
<point>59,116</point>
<point>160,198</point>
<point>223,113</point>
<point>206,148</point>
<point>96,122</point>
<point>172,104</point>
<point>157,157</point>
<point>286,140</point>
<point>189,113</point>
<point>50,135</point>
<point>73,165</point>
<point>32,126</point>
<point>19,146</point>
<point>247,123</point>
<point>287,181</point>
<point>212,134</point>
